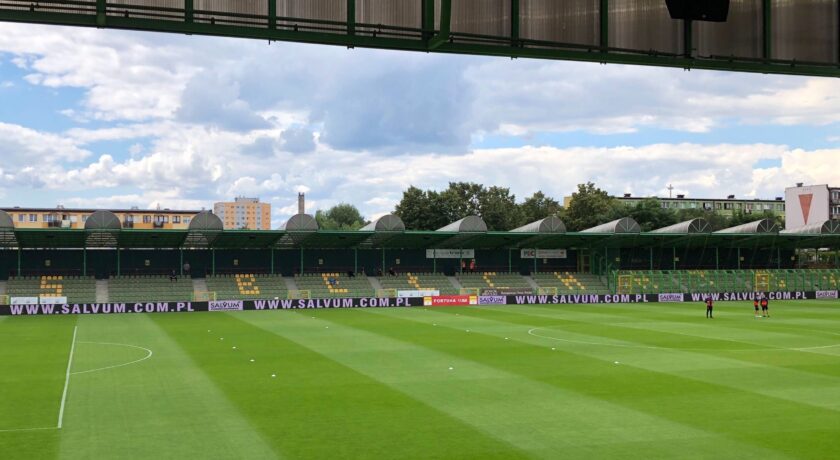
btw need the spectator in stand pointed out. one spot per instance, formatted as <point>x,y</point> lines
<point>173,276</point>
<point>463,265</point>
<point>392,272</point>
<point>472,266</point>
<point>350,274</point>
<point>187,269</point>
<point>379,272</point>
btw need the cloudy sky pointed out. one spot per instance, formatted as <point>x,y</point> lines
<point>100,118</point>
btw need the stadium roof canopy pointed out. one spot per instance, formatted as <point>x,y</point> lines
<point>386,223</point>
<point>698,225</point>
<point>7,230</point>
<point>759,226</point>
<point>623,225</point>
<point>758,36</point>
<point>322,239</point>
<point>551,224</point>
<point>828,227</point>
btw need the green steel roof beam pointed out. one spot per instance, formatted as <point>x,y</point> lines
<point>445,25</point>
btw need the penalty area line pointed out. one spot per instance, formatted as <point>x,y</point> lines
<point>67,379</point>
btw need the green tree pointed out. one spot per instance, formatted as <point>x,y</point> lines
<point>498,209</point>
<point>589,207</point>
<point>650,214</point>
<point>421,210</point>
<point>716,221</point>
<point>462,199</point>
<point>538,206</point>
<point>342,216</point>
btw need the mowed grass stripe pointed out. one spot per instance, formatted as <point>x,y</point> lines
<point>316,407</point>
<point>32,370</point>
<point>729,412</point>
<point>530,414</point>
<point>162,407</point>
<point>772,344</point>
<point>793,376</point>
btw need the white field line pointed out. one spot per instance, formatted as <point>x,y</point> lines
<point>67,379</point>
<point>28,429</point>
<point>149,355</point>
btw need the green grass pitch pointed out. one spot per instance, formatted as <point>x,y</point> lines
<point>572,381</point>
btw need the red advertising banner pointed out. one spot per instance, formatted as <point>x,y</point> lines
<point>450,301</point>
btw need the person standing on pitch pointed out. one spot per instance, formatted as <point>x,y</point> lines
<point>764,307</point>
<point>709,307</point>
<point>755,303</point>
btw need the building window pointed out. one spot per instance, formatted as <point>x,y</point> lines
<point>147,219</point>
<point>21,217</point>
<point>49,218</point>
<point>33,218</point>
<point>187,220</point>
<point>129,218</point>
<point>176,219</point>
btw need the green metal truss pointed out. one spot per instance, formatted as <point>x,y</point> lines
<point>349,33</point>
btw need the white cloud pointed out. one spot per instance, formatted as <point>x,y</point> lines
<point>205,119</point>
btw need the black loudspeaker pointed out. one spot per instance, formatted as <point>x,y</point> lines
<point>699,10</point>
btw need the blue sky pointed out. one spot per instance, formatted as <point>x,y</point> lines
<point>101,118</point>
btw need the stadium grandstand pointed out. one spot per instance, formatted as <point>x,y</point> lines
<point>105,262</point>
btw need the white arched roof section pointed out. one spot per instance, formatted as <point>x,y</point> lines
<point>469,224</point>
<point>386,223</point>
<point>551,224</point>
<point>103,220</point>
<point>759,226</point>
<point>623,225</point>
<point>828,227</point>
<point>698,225</point>
<point>301,223</point>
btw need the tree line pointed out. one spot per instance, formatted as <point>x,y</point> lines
<point>589,206</point>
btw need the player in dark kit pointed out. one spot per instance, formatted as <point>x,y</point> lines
<point>764,305</point>
<point>755,304</point>
<point>709,306</point>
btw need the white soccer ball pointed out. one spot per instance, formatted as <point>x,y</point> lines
<point>450,368</point>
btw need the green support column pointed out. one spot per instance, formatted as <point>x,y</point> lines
<point>651,259</point>
<point>181,257</point>
<point>101,17</point>
<point>778,258</point>
<point>351,17</point>
<point>213,262</point>
<point>84,262</point>
<point>717,258</point>
<point>383,262</point>
<point>301,260</point>
<point>272,261</point>
<point>119,269</point>
<point>767,50</point>
<point>739,258</point>
<point>445,22</point>
<point>19,258</point>
<point>355,260</point>
<point>514,22</point>
<point>535,260</point>
<point>272,14</point>
<point>687,38</point>
<point>434,261</point>
<point>604,13</point>
<point>428,19</point>
<point>674,258</point>
<point>510,261</point>
<point>189,11</point>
